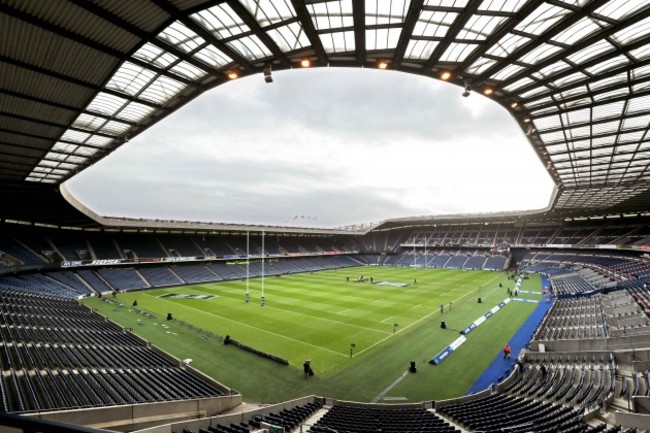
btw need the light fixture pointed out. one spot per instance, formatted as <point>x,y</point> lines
<point>233,75</point>
<point>382,64</point>
<point>514,104</point>
<point>268,78</point>
<point>526,119</point>
<point>530,130</point>
<point>305,63</point>
<point>488,91</point>
<point>445,75</point>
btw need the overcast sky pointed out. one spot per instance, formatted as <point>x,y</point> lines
<point>322,147</point>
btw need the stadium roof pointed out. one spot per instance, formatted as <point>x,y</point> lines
<point>80,78</point>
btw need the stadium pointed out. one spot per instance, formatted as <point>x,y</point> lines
<point>510,321</point>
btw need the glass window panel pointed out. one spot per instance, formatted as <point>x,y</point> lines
<point>98,140</point>
<point>479,27</point>
<point>76,159</point>
<point>386,11</point>
<point>630,137</point>
<point>552,69</point>
<point>134,112</point>
<point>114,128</point>
<point>641,72</point>
<point>502,5</point>
<point>382,39</point>
<point>608,65</point>
<point>447,3</point>
<point>575,104</point>
<point>638,104</point>
<point>150,53</point>
<point>107,104</point>
<point>86,151</point>
<point>633,32</point>
<point>576,91</point>
<point>213,57</point>
<point>507,72</point>
<point>130,79</point>
<point>46,163</point>
<point>507,45</point>
<point>602,141</point>
<point>598,97</point>
<point>578,31</point>
<point>636,122</point>
<point>162,90</point>
<point>608,82</point>
<point>290,37</point>
<point>422,50</point>
<point>625,148</point>
<point>540,53</point>
<point>542,18</point>
<point>250,47</point>
<point>88,122</point>
<point>221,21</point>
<point>569,79</point>
<point>331,15</point>
<point>580,132</point>
<point>181,37</point>
<point>267,12</point>
<point>457,52</point>
<point>641,53</point>
<point>548,122</point>
<point>188,70</point>
<point>552,137</point>
<point>63,148</point>
<point>481,65</point>
<point>534,92</point>
<point>605,128</point>
<point>542,101</point>
<point>338,42</point>
<point>434,24</point>
<point>74,136</point>
<point>615,109</point>
<point>518,84</point>
<point>593,50</point>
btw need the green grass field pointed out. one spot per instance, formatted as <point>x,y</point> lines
<point>318,316</point>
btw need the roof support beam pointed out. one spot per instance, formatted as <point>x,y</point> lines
<point>359,19</point>
<point>456,27</point>
<point>250,21</point>
<point>310,30</point>
<point>415,9</point>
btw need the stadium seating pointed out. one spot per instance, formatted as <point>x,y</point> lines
<point>356,419</point>
<point>56,354</point>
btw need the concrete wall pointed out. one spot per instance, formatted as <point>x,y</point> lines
<point>234,418</point>
<point>635,420</point>
<point>459,400</point>
<point>133,417</point>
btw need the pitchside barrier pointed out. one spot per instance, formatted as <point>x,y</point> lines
<point>444,353</point>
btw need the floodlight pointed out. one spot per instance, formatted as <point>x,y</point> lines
<point>233,75</point>
<point>305,63</point>
<point>488,91</point>
<point>382,64</point>
<point>468,88</point>
<point>445,75</point>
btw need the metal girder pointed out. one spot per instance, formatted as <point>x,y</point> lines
<point>310,30</point>
<point>455,28</point>
<point>359,19</point>
<point>250,21</point>
<point>415,9</point>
